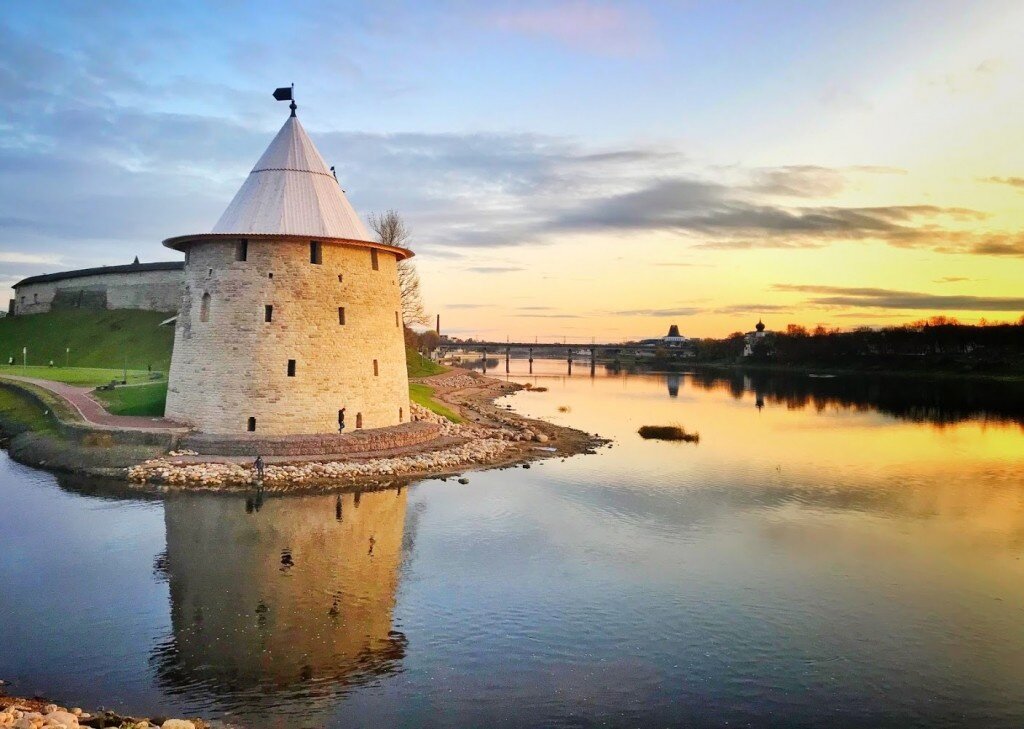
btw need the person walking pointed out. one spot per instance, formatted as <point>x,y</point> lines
<point>341,420</point>
<point>259,466</point>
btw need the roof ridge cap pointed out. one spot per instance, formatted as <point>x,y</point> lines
<point>290,169</point>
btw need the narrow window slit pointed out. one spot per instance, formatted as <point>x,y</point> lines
<point>251,427</point>
<point>268,313</point>
<point>341,315</point>
<point>291,368</point>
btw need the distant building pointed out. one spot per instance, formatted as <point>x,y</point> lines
<point>758,340</point>
<point>672,339</point>
<point>146,286</point>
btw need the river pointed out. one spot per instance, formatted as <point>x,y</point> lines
<point>834,551</point>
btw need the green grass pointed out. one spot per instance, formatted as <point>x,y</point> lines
<point>75,375</point>
<point>420,366</point>
<point>96,338</point>
<point>424,395</point>
<point>135,399</point>
<point>19,412</point>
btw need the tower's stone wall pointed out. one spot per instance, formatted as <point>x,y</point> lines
<point>234,365</point>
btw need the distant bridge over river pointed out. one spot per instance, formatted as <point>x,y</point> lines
<point>588,354</point>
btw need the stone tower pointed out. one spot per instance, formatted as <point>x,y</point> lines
<point>290,311</point>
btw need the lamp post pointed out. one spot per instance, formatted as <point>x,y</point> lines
<point>24,361</point>
<point>67,357</point>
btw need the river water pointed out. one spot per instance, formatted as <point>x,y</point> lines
<point>840,552</point>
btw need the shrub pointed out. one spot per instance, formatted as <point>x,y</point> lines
<point>668,432</point>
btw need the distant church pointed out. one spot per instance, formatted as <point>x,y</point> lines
<point>290,320</point>
<point>672,339</point>
<point>757,341</point>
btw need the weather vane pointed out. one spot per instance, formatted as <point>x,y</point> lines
<point>287,93</point>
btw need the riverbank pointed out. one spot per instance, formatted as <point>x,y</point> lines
<point>24,713</point>
<point>486,437</point>
<point>40,433</point>
<point>40,429</point>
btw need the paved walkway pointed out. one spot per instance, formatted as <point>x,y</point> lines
<point>93,412</point>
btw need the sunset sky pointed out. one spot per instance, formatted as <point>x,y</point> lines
<point>578,169</point>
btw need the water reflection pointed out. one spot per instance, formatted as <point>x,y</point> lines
<point>281,596</point>
<point>919,399</point>
<point>922,399</point>
<point>833,553</point>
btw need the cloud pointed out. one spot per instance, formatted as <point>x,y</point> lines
<point>750,308</point>
<point>604,28</point>
<point>715,216</point>
<point>892,299</point>
<point>798,181</point>
<point>495,269</point>
<point>952,279</point>
<point>675,311</point>
<point>1011,181</point>
<point>810,181</point>
<point>17,257</point>
<point>550,316</point>
<point>100,158</point>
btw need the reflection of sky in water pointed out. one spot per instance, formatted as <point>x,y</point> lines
<point>802,564</point>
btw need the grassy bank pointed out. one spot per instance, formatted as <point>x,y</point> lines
<point>84,376</point>
<point>99,342</point>
<point>420,366</point>
<point>149,399</point>
<point>20,413</point>
<point>424,395</point>
<point>96,338</point>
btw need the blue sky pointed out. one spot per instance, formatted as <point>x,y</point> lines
<point>791,138</point>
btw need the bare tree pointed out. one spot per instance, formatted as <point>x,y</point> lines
<point>391,230</point>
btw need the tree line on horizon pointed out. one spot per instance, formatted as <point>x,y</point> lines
<point>936,341</point>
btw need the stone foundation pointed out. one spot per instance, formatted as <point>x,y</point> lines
<point>351,443</point>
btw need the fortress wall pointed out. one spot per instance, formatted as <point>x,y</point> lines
<point>235,365</point>
<point>147,290</point>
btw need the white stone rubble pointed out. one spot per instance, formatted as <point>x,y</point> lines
<point>56,717</point>
<point>483,445</point>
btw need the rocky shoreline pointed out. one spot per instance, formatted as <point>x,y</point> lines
<point>23,713</point>
<point>489,437</point>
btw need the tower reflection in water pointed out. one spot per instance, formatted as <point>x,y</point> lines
<point>281,596</point>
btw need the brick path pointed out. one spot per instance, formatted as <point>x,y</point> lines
<point>93,412</point>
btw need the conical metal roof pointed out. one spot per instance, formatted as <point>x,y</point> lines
<point>291,191</point>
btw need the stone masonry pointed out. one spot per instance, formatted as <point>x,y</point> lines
<point>118,287</point>
<point>234,365</point>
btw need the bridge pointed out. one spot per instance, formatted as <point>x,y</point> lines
<point>587,353</point>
